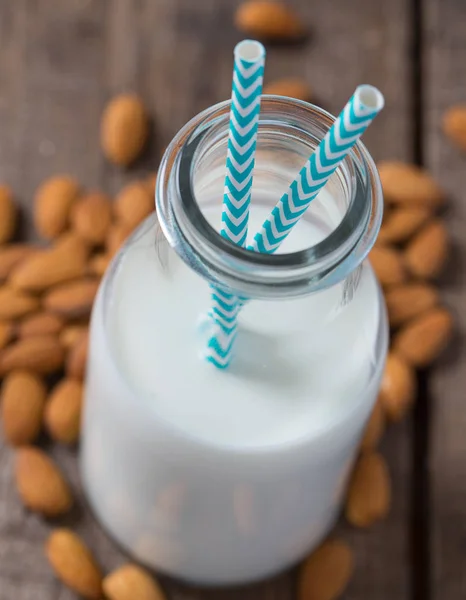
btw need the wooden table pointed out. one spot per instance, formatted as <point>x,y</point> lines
<point>59,63</point>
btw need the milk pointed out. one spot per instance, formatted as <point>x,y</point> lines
<point>224,476</point>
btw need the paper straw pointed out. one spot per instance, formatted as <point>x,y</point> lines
<point>361,109</point>
<point>248,74</point>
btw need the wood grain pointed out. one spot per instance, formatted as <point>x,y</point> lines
<point>445,85</point>
<point>59,62</point>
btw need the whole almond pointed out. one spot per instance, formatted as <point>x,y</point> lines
<point>454,125</point>
<point>399,387</point>
<point>91,217</point>
<point>62,416</point>
<point>325,574</point>
<point>42,323</point>
<point>388,265</point>
<point>369,493</point>
<point>74,564</point>
<point>422,340</point>
<point>374,428</point>
<point>409,300</point>
<point>12,255</point>
<point>293,87</point>
<point>71,334</point>
<point>15,304</point>
<point>8,216</point>
<point>133,204</point>
<point>426,254</point>
<point>402,223</point>
<point>23,401</point>
<point>72,300</point>
<point>7,333</point>
<point>41,354</point>
<point>40,483</point>
<point>99,264</point>
<point>52,205</point>
<point>268,20</point>
<point>46,269</point>
<point>130,582</point>
<point>409,185</point>
<point>124,129</point>
<point>117,235</point>
<point>77,358</point>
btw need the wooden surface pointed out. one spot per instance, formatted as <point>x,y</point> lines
<point>60,61</point>
<point>445,85</point>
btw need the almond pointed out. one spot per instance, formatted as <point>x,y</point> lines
<point>42,323</point>
<point>77,358</point>
<point>63,411</point>
<point>15,304</point>
<point>402,223</point>
<point>70,243</point>
<point>422,340</point>
<point>374,428</point>
<point>7,333</point>
<point>399,387</point>
<point>23,401</point>
<point>74,564</point>
<point>133,204</point>
<point>71,334</point>
<point>8,216</point>
<point>388,265</point>
<point>52,205</point>
<point>406,301</point>
<point>72,300</point>
<point>150,183</point>
<point>130,582</point>
<point>117,235</point>
<point>409,185</point>
<point>12,255</point>
<point>427,252</point>
<point>40,484</point>
<point>293,87</point>
<point>124,129</point>
<point>454,125</point>
<point>41,271</point>
<point>325,574</point>
<point>99,264</point>
<point>41,354</point>
<point>91,217</point>
<point>268,20</point>
<point>369,493</point>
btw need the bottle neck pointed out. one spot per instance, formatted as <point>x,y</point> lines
<point>190,187</point>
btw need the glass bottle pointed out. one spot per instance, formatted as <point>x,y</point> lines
<point>229,476</point>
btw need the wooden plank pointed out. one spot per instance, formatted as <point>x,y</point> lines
<point>445,85</point>
<point>59,63</point>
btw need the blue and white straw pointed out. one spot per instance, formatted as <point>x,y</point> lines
<point>362,108</point>
<point>248,75</point>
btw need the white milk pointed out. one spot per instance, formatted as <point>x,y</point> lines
<point>223,476</point>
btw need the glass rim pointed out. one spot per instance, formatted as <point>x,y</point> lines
<point>240,268</point>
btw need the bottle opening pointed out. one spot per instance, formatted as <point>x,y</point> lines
<point>278,159</point>
<point>335,234</point>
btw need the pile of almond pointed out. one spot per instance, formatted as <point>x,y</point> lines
<point>46,297</point>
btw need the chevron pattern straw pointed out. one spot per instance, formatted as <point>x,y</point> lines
<point>248,76</point>
<point>362,108</point>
